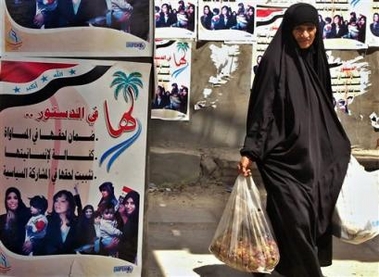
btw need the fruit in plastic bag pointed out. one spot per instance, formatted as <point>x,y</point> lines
<point>243,239</point>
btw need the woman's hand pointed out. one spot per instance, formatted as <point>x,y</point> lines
<point>244,166</point>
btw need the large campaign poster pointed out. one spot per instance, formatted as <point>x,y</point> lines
<point>68,28</point>
<point>73,159</point>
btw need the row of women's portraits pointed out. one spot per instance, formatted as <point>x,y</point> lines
<point>130,16</point>
<point>217,17</point>
<point>110,229</point>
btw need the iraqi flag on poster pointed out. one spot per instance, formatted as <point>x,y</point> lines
<point>28,77</point>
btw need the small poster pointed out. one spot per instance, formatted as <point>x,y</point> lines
<point>69,28</point>
<point>226,20</point>
<point>173,75</point>
<point>175,19</point>
<point>73,167</point>
<point>343,24</point>
<point>372,30</point>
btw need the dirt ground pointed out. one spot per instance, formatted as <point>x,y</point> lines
<point>191,194</point>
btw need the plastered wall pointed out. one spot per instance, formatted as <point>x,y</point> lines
<point>220,123</point>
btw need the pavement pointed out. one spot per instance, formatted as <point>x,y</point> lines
<point>180,228</point>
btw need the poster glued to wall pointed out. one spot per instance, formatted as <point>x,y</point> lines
<point>175,19</point>
<point>73,166</point>
<point>65,28</point>
<point>226,20</point>
<point>343,23</point>
<point>170,100</point>
<point>372,29</point>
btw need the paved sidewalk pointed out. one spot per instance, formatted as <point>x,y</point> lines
<point>179,233</point>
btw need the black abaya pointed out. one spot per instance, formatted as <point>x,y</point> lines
<point>300,148</point>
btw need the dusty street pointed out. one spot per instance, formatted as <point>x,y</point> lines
<point>181,224</point>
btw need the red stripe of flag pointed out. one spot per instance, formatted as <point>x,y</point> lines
<point>22,72</point>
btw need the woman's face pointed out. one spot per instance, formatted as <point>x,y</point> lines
<point>164,8</point>
<point>88,213</point>
<point>61,205</point>
<point>130,206</point>
<point>304,35</point>
<point>104,193</point>
<point>12,201</point>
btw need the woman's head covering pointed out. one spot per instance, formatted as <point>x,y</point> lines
<point>108,186</point>
<point>297,14</point>
<point>300,14</point>
<point>135,196</point>
<point>21,204</point>
<point>284,43</point>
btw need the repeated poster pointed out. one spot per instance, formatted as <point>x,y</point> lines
<point>226,20</point>
<point>73,150</point>
<point>170,100</point>
<point>343,23</point>
<point>372,32</point>
<point>175,19</point>
<point>68,28</point>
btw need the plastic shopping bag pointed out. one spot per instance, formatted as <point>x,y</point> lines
<point>356,215</point>
<point>243,239</point>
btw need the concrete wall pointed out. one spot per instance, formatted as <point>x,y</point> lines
<point>207,145</point>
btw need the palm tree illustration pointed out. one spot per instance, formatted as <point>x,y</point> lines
<point>128,85</point>
<point>181,47</point>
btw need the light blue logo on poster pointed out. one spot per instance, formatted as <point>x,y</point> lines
<point>4,265</point>
<point>13,39</point>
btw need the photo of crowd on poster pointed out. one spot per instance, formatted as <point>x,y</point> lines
<point>337,25</point>
<point>107,228</point>
<point>226,20</point>
<point>173,98</point>
<point>129,16</point>
<point>175,19</point>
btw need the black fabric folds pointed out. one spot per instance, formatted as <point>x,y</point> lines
<point>299,145</point>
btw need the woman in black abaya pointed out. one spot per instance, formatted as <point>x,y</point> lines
<point>297,142</point>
